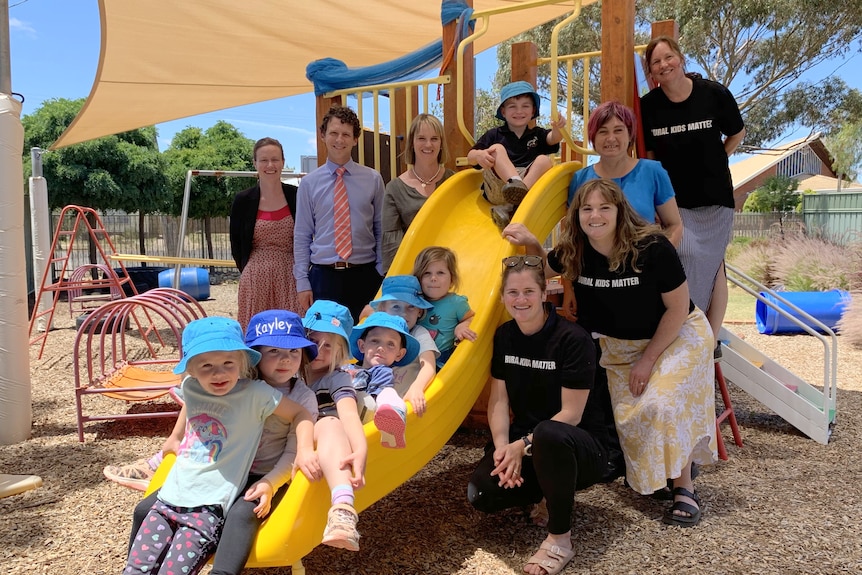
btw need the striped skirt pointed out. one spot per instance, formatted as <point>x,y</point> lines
<point>674,418</point>
<point>706,233</point>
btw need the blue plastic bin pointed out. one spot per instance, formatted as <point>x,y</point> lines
<point>193,281</point>
<point>825,306</point>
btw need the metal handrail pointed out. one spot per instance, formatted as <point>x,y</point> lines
<point>829,339</point>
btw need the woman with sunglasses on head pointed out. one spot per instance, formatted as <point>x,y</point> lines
<point>656,345</point>
<point>542,369</point>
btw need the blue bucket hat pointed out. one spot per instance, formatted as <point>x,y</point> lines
<point>329,317</point>
<point>383,319</point>
<point>279,328</point>
<point>213,334</point>
<point>517,89</point>
<point>404,288</point>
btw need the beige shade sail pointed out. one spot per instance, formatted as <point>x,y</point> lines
<point>162,60</point>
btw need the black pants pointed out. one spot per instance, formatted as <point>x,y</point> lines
<point>565,458</point>
<point>352,287</point>
<point>237,536</point>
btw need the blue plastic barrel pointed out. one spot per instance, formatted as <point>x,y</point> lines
<point>193,281</point>
<point>825,306</point>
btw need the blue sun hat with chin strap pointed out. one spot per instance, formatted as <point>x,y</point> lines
<point>329,317</point>
<point>213,334</point>
<point>404,288</point>
<point>394,322</point>
<point>518,88</point>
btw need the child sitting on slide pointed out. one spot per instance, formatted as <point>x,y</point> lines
<point>402,296</point>
<point>515,154</point>
<point>341,446</point>
<point>380,342</point>
<point>449,321</point>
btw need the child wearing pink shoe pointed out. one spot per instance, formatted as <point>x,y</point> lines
<point>380,342</point>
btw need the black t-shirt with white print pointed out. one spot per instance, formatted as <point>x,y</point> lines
<point>686,137</point>
<point>626,304</point>
<point>537,367</point>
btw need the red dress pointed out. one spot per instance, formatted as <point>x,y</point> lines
<point>267,280</point>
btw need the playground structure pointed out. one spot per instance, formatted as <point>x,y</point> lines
<point>112,360</point>
<point>455,216</point>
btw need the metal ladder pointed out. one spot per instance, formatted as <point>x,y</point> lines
<point>78,215</point>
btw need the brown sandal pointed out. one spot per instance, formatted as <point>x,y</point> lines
<point>551,558</point>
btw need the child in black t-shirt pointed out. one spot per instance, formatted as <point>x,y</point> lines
<point>515,154</point>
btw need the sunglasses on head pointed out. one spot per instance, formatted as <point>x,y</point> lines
<point>531,261</point>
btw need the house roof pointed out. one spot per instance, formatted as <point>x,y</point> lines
<point>745,170</point>
<point>161,60</point>
<point>827,184</point>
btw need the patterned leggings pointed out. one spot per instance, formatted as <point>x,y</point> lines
<point>175,540</point>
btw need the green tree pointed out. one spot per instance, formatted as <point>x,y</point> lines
<point>760,50</point>
<point>120,172</point>
<point>846,148</point>
<point>777,195</point>
<point>220,147</point>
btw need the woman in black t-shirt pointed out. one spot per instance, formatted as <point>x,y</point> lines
<point>656,344</point>
<point>692,126</point>
<point>542,369</point>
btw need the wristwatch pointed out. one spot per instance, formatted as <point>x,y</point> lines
<point>528,446</point>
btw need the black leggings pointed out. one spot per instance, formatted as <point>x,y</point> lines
<point>565,458</point>
<point>237,536</point>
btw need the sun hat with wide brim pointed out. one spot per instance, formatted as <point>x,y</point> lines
<point>213,334</point>
<point>394,322</point>
<point>329,317</point>
<point>404,288</point>
<point>518,88</point>
<point>279,328</point>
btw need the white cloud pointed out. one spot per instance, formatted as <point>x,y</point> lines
<point>16,24</point>
<point>273,127</point>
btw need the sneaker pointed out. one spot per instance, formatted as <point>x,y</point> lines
<point>340,529</point>
<point>514,191</point>
<point>135,475</point>
<point>502,215</point>
<point>392,424</point>
<point>716,353</point>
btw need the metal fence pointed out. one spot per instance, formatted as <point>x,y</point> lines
<point>756,225</point>
<point>160,236</point>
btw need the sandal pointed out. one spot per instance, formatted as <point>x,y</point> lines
<point>551,558</point>
<point>693,517</point>
<point>666,493</point>
<point>539,514</point>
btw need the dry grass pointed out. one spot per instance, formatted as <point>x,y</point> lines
<point>782,503</point>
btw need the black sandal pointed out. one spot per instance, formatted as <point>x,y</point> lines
<point>693,517</point>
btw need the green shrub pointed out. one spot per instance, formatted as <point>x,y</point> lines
<point>752,257</point>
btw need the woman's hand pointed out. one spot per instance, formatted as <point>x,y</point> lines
<point>262,492</point>
<point>639,375</point>
<point>508,460</point>
<point>519,235</point>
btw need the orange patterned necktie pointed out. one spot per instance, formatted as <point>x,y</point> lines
<point>341,211</point>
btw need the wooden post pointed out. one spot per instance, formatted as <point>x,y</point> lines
<point>458,145</point>
<point>665,28</point>
<point>525,59</point>
<point>406,108</point>
<point>322,107</point>
<point>618,49</point>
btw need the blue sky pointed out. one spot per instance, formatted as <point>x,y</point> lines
<point>55,52</point>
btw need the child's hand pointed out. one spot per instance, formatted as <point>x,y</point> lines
<point>309,464</point>
<point>171,445</point>
<point>356,464</point>
<point>559,123</point>
<point>417,400</point>
<point>463,332</point>
<point>485,159</point>
<point>261,491</point>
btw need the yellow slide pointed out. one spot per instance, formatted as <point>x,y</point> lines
<point>458,217</point>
